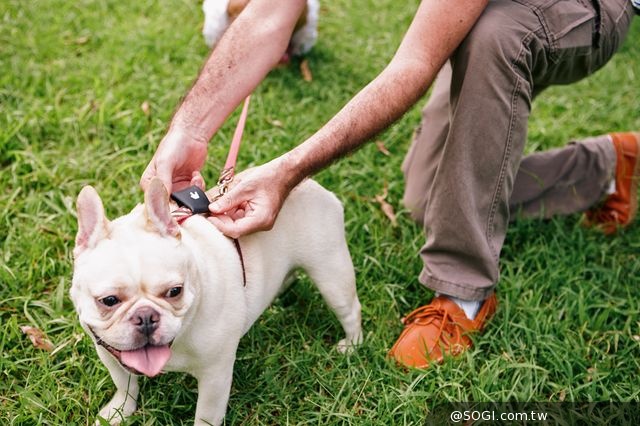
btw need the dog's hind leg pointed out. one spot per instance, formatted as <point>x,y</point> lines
<point>335,278</point>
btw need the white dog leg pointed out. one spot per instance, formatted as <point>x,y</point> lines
<point>124,402</point>
<point>336,280</point>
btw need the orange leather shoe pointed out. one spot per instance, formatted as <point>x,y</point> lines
<point>620,208</point>
<point>438,329</point>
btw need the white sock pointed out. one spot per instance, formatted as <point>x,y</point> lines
<point>470,307</point>
<point>612,187</point>
<point>612,184</point>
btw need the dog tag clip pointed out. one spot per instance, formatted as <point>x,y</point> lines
<point>192,198</point>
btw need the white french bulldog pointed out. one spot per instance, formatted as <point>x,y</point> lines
<point>157,296</point>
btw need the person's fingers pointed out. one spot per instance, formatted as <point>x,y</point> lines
<point>236,213</point>
<point>227,202</point>
<point>181,184</point>
<point>164,174</point>
<point>222,220</point>
<point>156,170</point>
<point>225,225</point>
<point>237,228</point>
<point>197,180</point>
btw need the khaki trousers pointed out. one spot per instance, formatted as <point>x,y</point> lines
<point>464,171</point>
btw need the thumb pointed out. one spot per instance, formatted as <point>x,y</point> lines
<point>165,175</point>
<point>149,173</point>
<point>155,170</point>
<point>197,180</point>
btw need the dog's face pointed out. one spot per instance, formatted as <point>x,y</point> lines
<point>131,283</point>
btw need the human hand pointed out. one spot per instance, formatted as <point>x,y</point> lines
<point>177,162</point>
<point>252,202</point>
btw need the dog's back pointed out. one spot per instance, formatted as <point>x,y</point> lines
<point>308,234</point>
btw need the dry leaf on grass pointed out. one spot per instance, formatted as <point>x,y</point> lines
<point>146,108</point>
<point>387,208</point>
<point>562,396</point>
<point>37,337</point>
<point>277,123</point>
<point>306,71</point>
<point>383,149</point>
<point>81,40</point>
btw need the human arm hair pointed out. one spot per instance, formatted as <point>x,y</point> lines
<point>435,32</point>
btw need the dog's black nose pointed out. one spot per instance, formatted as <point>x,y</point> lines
<point>146,320</point>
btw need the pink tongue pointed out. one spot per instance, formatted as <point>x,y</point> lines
<point>148,360</point>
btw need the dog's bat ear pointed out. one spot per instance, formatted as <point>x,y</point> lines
<point>92,222</point>
<point>156,206</point>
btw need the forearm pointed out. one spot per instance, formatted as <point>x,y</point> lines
<point>372,110</point>
<point>434,34</point>
<point>236,66</point>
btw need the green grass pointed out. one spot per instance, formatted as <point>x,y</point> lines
<point>72,78</point>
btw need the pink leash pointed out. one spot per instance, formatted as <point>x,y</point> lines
<point>229,170</point>
<point>226,177</point>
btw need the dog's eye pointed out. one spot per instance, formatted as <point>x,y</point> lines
<point>110,301</point>
<point>174,292</point>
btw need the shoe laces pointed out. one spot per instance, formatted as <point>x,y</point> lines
<point>425,315</point>
<point>448,329</point>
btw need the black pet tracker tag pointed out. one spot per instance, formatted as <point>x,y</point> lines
<point>192,198</point>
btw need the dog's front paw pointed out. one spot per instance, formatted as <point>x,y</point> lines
<point>116,410</point>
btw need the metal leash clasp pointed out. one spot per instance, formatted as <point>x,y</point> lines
<point>226,177</point>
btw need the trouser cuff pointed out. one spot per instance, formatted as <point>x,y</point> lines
<point>462,291</point>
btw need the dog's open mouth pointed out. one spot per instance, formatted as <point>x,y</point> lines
<point>148,360</point>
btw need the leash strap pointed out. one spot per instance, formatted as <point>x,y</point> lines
<point>236,242</point>
<point>237,136</point>
<point>226,177</point>
<point>229,170</point>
